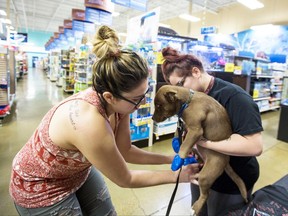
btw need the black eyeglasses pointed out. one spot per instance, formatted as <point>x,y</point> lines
<point>181,82</point>
<point>132,102</point>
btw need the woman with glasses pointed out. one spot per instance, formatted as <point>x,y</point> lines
<point>244,144</point>
<point>59,170</point>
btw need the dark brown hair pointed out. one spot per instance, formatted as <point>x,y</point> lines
<point>116,70</point>
<point>182,63</point>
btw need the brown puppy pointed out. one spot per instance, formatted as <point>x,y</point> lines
<point>204,118</point>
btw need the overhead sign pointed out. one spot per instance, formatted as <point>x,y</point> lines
<point>56,35</point>
<point>67,24</point>
<point>143,28</point>
<point>98,16</point>
<point>19,37</point>
<point>105,5</point>
<point>209,30</point>
<point>135,4</point>
<point>61,29</point>
<point>78,14</point>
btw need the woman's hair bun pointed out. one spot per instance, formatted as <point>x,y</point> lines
<point>106,42</point>
<point>170,54</point>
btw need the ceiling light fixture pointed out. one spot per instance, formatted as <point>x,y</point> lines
<point>251,4</point>
<point>123,34</point>
<point>115,14</point>
<point>189,17</point>
<point>264,26</point>
<point>6,21</point>
<point>3,13</point>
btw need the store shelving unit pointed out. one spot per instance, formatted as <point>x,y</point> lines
<point>4,84</point>
<point>266,84</point>
<point>55,66</point>
<point>259,77</point>
<point>83,72</point>
<point>68,73</point>
<point>141,124</point>
<point>64,66</point>
<point>12,78</point>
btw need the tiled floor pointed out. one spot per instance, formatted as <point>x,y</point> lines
<point>36,94</point>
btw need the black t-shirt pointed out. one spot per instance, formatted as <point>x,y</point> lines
<point>245,119</point>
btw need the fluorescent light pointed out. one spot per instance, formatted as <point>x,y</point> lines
<point>189,17</point>
<point>3,13</point>
<point>257,27</point>
<point>252,4</point>
<point>122,34</point>
<point>6,21</point>
<point>115,14</point>
<point>164,25</point>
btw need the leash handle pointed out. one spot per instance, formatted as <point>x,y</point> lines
<point>173,194</point>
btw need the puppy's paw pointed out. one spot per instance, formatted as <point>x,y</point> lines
<point>192,212</point>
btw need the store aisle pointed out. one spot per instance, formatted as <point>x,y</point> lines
<point>36,94</point>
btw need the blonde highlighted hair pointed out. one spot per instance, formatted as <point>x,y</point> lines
<point>116,70</point>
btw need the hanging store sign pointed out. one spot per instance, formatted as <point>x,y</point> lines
<point>78,14</point>
<point>105,18</point>
<point>82,26</point>
<point>67,24</point>
<point>143,28</point>
<point>105,5</point>
<point>98,16</point>
<point>209,30</point>
<point>68,33</point>
<point>77,25</point>
<point>92,15</point>
<point>135,4</point>
<point>89,27</point>
<point>56,35</point>
<point>61,29</point>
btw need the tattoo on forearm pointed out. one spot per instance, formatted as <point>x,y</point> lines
<point>74,113</point>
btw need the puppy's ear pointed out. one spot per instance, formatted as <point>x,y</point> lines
<point>171,96</point>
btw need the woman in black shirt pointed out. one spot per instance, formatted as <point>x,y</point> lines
<point>244,144</point>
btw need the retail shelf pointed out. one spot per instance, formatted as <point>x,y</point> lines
<point>269,108</point>
<point>262,98</point>
<point>275,99</point>
<point>277,84</point>
<point>262,76</point>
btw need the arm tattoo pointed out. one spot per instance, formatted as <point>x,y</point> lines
<point>74,113</point>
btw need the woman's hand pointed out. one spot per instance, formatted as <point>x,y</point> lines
<point>190,173</point>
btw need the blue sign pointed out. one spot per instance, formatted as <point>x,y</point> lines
<point>92,15</point>
<point>136,4</point>
<point>68,33</point>
<point>208,30</point>
<point>125,3</point>
<point>89,27</point>
<point>77,25</point>
<point>105,18</point>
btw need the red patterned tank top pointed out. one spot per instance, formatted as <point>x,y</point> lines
<point>43,173</point>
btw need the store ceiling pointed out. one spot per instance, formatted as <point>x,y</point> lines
<point>48,15</point>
